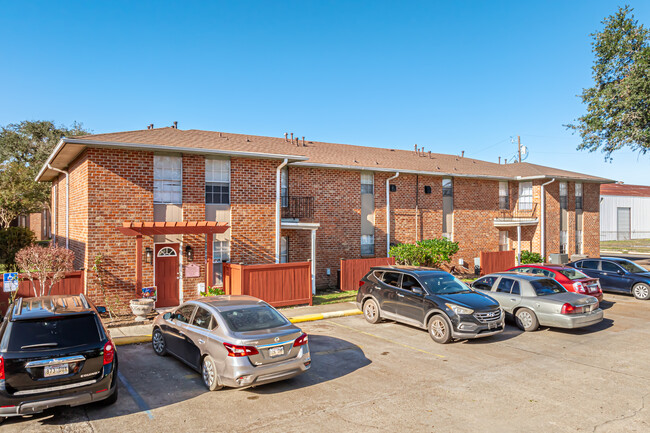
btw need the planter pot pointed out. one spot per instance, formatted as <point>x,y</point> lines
<point>141,308</point>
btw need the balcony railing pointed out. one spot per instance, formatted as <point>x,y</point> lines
<point>297,207</point>
<point>518,213</point>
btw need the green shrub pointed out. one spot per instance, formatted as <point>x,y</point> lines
<point>428,252</point>
<point>213,291</point>
<point>527,257</point>
<point>12,240</point>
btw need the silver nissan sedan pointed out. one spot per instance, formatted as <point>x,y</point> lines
<point>235,341</point>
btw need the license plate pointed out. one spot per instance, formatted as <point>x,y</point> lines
<point>492,325</point>
<point>276,351</point>
<point>56,370</point>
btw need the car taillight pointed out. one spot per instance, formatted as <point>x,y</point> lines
<point>598,282</point>
<point>579,288</point>
<point>109,352</point>
<point>2,368</point>
<point>300,341</point>
<point>361,283</point>
<point>568,309</point>
<point>237,351</point>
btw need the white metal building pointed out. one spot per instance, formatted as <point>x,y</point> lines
<point>624,212</point>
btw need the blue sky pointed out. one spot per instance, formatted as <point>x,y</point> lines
<point>449,76</point>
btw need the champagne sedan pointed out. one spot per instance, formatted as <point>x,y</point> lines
<point>235,341</point>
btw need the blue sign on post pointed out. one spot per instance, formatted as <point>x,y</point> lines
<point>10,282</point>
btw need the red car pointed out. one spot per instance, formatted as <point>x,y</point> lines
<point>571,279</point>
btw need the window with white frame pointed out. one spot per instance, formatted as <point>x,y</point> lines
<point>578,195</point>
<point>284,249</point>
<point>447,187</point>
<point>217,181</point>
<point>564,195</point>
<point>503,240</point>
<point>167,179</point>
<point>504,195</point>
<point>367,245</point>
<point>525,196</point>
<point>284,187</point>
<point>564,242</point>
<point>220,251</point>
<point>367,183</point>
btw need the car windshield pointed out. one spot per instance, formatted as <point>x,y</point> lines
<point>572,274</point>
<point>56,332</point>
<point>547,287</point>
<point>631,267</point>
<point>443,284</point>
<point>253,318</point>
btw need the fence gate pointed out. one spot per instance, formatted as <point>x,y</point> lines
<point>497,261</point>
<point>353,270</point>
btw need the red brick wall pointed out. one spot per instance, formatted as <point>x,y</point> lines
<point>194,210</point>
<point>591,215</point>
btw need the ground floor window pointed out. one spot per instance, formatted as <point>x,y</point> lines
<point>220,255</point>
<point>564,242</point>
<point>284,249</point>
<point>503,240</point>
<point>368,245</point>
<point>579,242</point>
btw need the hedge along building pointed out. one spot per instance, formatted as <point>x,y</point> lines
<point>279,199</point>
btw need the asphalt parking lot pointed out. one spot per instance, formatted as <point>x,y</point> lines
<point>391,377</point>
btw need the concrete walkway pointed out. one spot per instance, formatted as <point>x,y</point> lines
<point>142,333</point>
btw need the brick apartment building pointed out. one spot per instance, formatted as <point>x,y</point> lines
<point>326,201</point>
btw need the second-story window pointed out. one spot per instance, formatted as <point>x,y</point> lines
<point>525,196</point>
<point>217,181</point>
<point>578,196</point>
<point>447,188</point>
<point>564,195</point>
<point>284,186</point>
<point>367,183</point>
<point>504,195</point>
<point>167,179</point>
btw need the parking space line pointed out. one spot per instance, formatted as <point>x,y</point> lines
<point>138,400</point>
<point>386,339</point>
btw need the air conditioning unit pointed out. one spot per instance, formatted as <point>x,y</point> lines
<point>558,259</point>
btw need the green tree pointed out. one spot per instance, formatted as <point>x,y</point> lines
<point>618,104</point>
<point>24,148</point>
<point>428,252</point>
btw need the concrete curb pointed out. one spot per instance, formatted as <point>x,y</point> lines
<point>330,315</point>
<point>136,339</point>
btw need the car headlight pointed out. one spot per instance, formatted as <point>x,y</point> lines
<point>458,309</point>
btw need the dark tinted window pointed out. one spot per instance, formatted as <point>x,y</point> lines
<point>572,274</point>
<point>391,278</point>
<point>631,266</point>
<point>54,333</point>
<point>609,267</point>
<point>525,270</point>
<point>408,282</point>
<point>515,289</point>
<point>202,319</point>
<point>589,264</point>
<point>484,283</point>
<point>505,285</point>
<point>440,283</point>
<point>547,287</point>
<point>253,318</point>
<point>184,314</point>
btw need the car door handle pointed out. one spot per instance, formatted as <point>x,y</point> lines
<point>400,295</point>
<point>201,341</point>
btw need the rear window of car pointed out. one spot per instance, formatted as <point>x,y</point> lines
<point>572,274</point>
<point>53,333</point>
<point>589,264</point>
<point>253,318</point>
<point>547,287</point>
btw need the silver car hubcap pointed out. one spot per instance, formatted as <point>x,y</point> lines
<point>641,291</point>
<point>158,342</point>
<point>526,319</point>
<point>208,373</point>
<point>371,311</point>
<point>438,328</point>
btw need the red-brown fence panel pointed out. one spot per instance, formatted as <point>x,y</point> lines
<point>279,284</point>
<point>71,284</point>
<point>497,261</point>
<point>352,270</point>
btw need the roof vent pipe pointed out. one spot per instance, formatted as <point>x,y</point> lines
<point>429,154</point>
<point>462,154</point>
<point>175,124</point>
<point>285,136</point>
<point>415,146</point>
<point>303,141</point>
<point>292,137</point>
<point>499,160</point>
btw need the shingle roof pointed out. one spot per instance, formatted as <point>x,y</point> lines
<point>627,190</point>
<point>373,158</point>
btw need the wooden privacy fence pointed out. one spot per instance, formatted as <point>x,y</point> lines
<point>352,270</point>
<point>71,284</point>
<point>279,284</point>
<point>496,261</point>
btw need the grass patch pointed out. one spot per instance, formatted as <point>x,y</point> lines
<point>335,297</point>
<point>640,245</point>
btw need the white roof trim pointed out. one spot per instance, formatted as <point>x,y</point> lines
<point>299,225</point>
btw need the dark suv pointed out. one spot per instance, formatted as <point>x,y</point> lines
<point>54,351</point>
<point>429,299</point>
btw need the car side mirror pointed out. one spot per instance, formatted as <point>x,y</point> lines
<point>620,272</point>
<point>167,316</point>
<point>417,290</point>
<point>101,310</point>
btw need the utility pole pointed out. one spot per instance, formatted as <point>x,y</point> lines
<point>519,147</point>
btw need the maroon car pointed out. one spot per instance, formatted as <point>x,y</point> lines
<point>571,279</point>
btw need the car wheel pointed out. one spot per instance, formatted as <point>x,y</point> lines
<point>371,311</point>
<point>158,343</point>
<point>439,329</point>
<point>526,320</point>
<point>209,374</point>
<point>2,418</point>
<point>112,399</point>
<point>641,291</point>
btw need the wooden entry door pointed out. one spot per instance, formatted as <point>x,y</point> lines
<point>166,278</point>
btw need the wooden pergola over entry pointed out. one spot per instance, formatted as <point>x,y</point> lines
<point>139,229</point>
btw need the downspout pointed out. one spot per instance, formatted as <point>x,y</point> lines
<point>388,212</point>
<point>278,209</point>
<point>67,203</point>
<point>55,207</point>
<point>543,220</point>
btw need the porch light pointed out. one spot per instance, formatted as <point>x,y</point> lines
<point>148,255</point>
<point>189,253</point>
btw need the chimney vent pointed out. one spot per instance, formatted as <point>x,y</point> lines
<point>462,154</point>
<point>429,154</point>
<point>303,141</point>
<point>285,136</point>
<point>292,137</point>
<point>415,146</point>
<point>499,160</point>
<point>175,124</point>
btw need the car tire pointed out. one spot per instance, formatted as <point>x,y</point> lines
<point>2,418</point>
<point>439,329</point>
<point>526,320</point>
<point>112,399</point>
<point>158,342</point>
<point>209,374</point>
<point>641,291</point>
<point>371,311</point>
